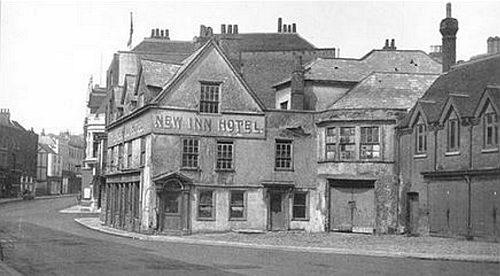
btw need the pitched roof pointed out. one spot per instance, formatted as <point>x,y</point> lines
<point>152,45</point>
<point>96,99</point>
<point>354,70</point>
<point>188,62</point>
<point>46,148</point>
<point>252,42</point>
<point>469,79</point>
<point>386,91</point>
<point>157,73</point>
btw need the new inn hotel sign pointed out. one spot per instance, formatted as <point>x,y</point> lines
<point>189,123</point>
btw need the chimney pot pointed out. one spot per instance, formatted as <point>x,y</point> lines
<point>167,34</point>
<point>157,33</point>
<point>280,23</point>
<point>235,29</point>
<point>162,34</point>
<point>393,44</point>
<point>448,10</point>
<point>289,28</point>
<point>294,28</point>
<point>229,29</point>
<point>386,44</point>
<point>223,28</point>
<point>152,33</point>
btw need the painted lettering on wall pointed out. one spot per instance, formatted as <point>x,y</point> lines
<point>226,125</point>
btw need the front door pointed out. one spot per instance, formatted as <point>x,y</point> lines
<point>172,210</point>
<point>352,206</point>
<point>278,213</point>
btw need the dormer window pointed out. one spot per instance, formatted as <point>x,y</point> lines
<point>209,97</point>
<point>490,130</point>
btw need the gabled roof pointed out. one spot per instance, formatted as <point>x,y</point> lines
<point>191,60</point>
<point>129,90</point>
<point>386,91</point>
<point>491,94</point>
<point>469,79</point>
<point>354,70</point>
<point>95,100</point>
<point>46,148</point>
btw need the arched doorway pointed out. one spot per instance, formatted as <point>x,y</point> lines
<point>172,193</point>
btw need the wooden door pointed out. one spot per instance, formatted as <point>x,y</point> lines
<point>352,207</point>
<point>277,211</point>
<point>172,210</point>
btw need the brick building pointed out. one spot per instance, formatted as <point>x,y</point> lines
<point>448,149</point>
<point>18,152</point>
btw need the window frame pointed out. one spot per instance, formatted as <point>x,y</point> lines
<point>279,159</point>
<point>371,143</point>
<point>194,153</point>
<point>210,103</point>
<point>330,143</point>
<point>244,205</point>
<point>212,205</point>
<point>343,143</point>
<point>420,132</point>
<point>452,135</point>
<point>142,157</point>
<point>129,154</point>
<point>218,159</point>
<point>305,206</point>
<point>284,104</point>
<point>493,126</point>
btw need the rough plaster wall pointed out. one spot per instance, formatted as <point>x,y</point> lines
<point>321,97</point>
<point>455,162</point>
<point>148,193</point>
<point>127,65</point>
<point>386,199</point>
<point>256,216</point>
<point>283,95</point>
<point>317,213</point>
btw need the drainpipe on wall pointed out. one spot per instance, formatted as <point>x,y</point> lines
<point>469,207</point>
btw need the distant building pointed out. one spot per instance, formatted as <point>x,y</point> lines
<point>18,151</point>
<point>50,146</point>
<point>93,133</point>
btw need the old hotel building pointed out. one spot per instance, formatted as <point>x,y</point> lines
<point>202,145</point>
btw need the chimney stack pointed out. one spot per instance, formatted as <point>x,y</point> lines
<point>493,45</point>
<point>5,115</point>
<point>280,24</point>
<point>449,29</point>
<point>297,85</point>
<point>386,46</point>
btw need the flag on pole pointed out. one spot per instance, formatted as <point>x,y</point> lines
<point>129,43</point>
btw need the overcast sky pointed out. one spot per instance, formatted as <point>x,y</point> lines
<point>49,50</point>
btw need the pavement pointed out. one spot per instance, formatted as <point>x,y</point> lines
<point>393,246</point>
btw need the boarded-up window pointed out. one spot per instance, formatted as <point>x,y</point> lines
<point>347,146</point>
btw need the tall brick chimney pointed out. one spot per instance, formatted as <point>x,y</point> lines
<point>297,85</point>
<point>449,29</point>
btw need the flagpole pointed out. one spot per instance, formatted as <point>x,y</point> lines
<point>129,43</point>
